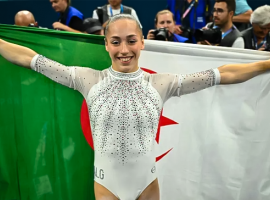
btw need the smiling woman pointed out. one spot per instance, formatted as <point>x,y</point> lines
<point>124,105</point>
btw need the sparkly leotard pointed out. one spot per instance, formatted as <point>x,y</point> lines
<point>124,111</point>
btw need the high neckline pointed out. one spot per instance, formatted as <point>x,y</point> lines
<point>125,76</point>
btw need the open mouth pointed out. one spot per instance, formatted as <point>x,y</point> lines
<point>125,59</point>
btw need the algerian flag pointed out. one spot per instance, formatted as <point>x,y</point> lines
<point>219,145</point>
<point>213,144</point>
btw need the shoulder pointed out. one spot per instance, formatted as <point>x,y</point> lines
<point>237,32</point>
<point>162,77</point>
<point>75,19</point>
<point>88,72</point>
<point>75,12</point>
<point>239,43</point>
<point>247,31</point>
<point>127,7</point>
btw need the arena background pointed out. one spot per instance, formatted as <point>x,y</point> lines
<point>45,15</point>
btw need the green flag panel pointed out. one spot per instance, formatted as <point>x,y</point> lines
<point>43,152</point>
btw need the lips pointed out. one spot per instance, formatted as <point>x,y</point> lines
<point>125,59</point>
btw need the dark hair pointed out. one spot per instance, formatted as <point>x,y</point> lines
<point>231,5</point>
<point>69,2</point>
<point>161,13</point>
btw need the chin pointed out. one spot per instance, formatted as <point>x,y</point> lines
<point>125,69</point>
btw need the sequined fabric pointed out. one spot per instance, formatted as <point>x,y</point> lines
<point>124,111</point>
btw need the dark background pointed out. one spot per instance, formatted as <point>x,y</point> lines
<point>45,15</point>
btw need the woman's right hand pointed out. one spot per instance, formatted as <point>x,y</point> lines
<point>150,35</point>
<point>177,30</point>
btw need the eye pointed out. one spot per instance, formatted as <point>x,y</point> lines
<point>132,41</point>
<point>115,42</point>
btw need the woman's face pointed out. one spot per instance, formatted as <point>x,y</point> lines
<point>124,43</point>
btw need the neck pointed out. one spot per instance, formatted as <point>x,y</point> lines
<point>64,9</point>
<point>259,40</point>
<point>226,26</point>
<point>116,7</point>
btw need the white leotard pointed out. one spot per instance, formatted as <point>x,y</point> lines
<point>124,111</point>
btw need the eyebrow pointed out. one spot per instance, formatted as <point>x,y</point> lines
<point>218,8</point>
<point>129,36</point>
<point>166,21</point>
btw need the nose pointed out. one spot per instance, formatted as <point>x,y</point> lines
<point>124,48</point>
<point>53,5</point>
<point>166,25</point>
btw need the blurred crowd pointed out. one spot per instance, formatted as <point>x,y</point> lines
<point>229,23</point>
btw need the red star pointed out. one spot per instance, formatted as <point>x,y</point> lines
<point>163,121</point>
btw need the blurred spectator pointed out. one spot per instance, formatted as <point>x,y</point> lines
<point>165,28</point>
<point>92,26</point>
<point>223,13</point>
<point>70,18</point>
<point>114,7</point>
<point>190,15</point>
<point>258,36</point>
<point>25,18</point>
<point>242,15</point>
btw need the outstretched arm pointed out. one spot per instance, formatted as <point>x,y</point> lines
<point>78,78</point>
<point>16,54</point>
<point>226,74</point>
<point>60,26</point>
<point>238,73</point>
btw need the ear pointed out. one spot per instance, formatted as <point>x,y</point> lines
<point>106,44</point>
<point>142,44</point>
<point>231,14</point>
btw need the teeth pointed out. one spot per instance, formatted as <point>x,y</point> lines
<point>125,59</point>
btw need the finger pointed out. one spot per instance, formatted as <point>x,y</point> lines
<point>150,32</point>
<point>202,42</point>
<point>207,42</point>
<point>150,37</point>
